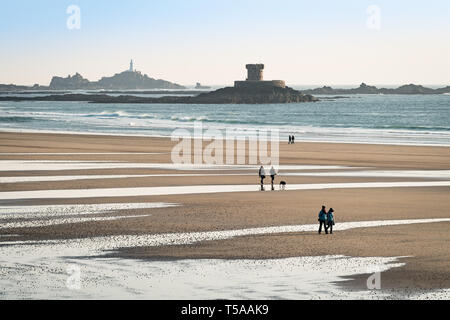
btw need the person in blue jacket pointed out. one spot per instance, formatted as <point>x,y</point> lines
<point>322,220</point>
<point>330,220</point>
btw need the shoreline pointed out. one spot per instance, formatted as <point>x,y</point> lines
<point>155,136</point>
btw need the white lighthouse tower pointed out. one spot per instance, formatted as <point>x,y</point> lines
<point>131,66</point>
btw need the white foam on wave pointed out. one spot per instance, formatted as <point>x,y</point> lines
<point>200,189</point>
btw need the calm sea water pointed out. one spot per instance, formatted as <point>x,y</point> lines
<point>390,119</point>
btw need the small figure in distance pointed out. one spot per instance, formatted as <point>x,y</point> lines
<point>330,220</point>
<point>290,139</point>
<point>262,175</point>
<point>293,139</point>
<point>273,173</point>
<point>322,220</point>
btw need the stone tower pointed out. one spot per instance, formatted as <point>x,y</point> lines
<point>255,72</point>
<point>255,79</point>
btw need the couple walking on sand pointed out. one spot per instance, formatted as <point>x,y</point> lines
<point>262,175</point>
<point>326,219</point>
<point>291,139</point>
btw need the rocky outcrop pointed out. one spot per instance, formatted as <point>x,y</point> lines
<point>237,95</point>
<point>127,80</point>
<point>408,89</point>
<point>133,80</point>
<point>16,88</point>
<point>443,90</point>
<point>365,89</point>
<point>199,86</point>
<point>75,82</point>
<point>229,95</point>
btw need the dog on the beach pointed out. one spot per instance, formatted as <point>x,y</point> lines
<point>282,185</point>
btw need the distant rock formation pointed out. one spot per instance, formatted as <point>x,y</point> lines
<point>365,89</point>
<point>199,86</point>
<point>15,88</point>
<point>443,90</point>
<point>127,80</point>
<point>229,95</point>
<point>12,87</point>
<point>134,80</point>
<point>74,82</point>
<point>254,90</point>
<point>409,89</point>
<point>252,95</point>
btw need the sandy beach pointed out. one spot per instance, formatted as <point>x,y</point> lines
<point>361,182</point>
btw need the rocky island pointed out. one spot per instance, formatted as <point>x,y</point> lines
<point>366,89</point>
<point>130,79</point>
<point>254,95</point>
<point>254,90</point>
<point>199,86</point>
<point>120,81</point>
<point>126,80</point>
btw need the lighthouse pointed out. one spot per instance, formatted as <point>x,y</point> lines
<point>131,66</point>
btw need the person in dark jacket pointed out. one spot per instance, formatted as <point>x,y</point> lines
<point>262,175</point>
<point>322,220</point>
<point>330,220</point>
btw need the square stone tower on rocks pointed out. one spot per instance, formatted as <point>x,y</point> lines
<point>255,72</point>
<point>255,79</point>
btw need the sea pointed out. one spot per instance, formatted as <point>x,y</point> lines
<point>377,119</point>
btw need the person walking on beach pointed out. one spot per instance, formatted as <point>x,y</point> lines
<point>330,220</point>
<point>322,220</point>
<point>290,139</point>
<point>262,175</point>
<point>293,139</point>
<point>273,173</point>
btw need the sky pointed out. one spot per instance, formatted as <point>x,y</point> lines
<point>209,41</point>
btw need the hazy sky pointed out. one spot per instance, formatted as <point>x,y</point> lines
<point>210,41</point>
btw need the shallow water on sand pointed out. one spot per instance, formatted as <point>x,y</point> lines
<point>428,174</point>
<point>51,270</point>
<point>26,276</point>
<point>200,189</point>
<point>50,215</point>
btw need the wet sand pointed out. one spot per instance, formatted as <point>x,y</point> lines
<point>357,155</point>
<point>426,245</point>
